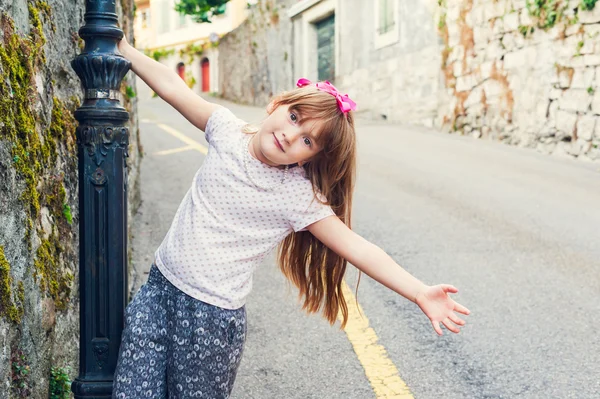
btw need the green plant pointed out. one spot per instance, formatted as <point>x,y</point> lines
<point>591,90</point>
<point>129,92</point>
<point>547,12</point>
<point>580,45</point>
<point>201,10</point>
<point>588,4</point>
<point>60,383</point>
<point>160,54</point>
<point>20,375</point>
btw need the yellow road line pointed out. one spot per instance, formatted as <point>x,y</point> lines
<point>192,143</point>
<point>379,369</point>
<point>175,150</point>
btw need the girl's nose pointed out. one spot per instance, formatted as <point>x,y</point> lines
<point>290,136</point>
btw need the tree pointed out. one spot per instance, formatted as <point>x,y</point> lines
<point>201,10</point>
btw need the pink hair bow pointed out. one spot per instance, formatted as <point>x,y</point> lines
<point>344,102</point>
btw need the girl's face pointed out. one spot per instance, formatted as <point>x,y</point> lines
<point>281,139</point>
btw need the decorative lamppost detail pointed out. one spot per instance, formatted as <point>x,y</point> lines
<point>103,140</point>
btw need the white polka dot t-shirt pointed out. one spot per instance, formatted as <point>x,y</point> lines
<point>226,224</point>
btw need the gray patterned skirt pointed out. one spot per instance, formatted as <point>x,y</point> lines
<point>175,346</point>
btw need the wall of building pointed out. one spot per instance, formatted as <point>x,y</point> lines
<point>255,59</point>
<point>515,73</point>
<point>39,213</point>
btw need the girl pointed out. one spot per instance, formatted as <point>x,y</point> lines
<point>288,182</point>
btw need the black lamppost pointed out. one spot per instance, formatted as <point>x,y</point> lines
<point>102,140</point>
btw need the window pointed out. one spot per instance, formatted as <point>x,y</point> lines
<point>386,23</point>
<point>386,16</point>
<point>182,21</point>
<point>164,23</point>
<point>146,18</point>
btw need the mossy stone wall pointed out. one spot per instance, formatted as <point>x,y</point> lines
<point>39,215</point>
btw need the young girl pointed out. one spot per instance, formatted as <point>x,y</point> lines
<point>288,182</point>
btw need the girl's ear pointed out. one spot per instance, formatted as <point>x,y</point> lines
<point>270,107</point>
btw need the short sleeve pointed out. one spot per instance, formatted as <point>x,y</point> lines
<point>221,122</point>
<point>308,210</point>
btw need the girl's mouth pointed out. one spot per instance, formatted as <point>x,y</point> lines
<point>277,143</point>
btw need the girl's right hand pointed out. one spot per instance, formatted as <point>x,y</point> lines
<point>122,44</point>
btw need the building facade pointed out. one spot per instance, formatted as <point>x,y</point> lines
<point>384,53</point>
<point>187,47</point>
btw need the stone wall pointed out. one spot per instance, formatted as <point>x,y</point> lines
<point>39,215</point>
<point>525,73</point>
<point>255,58</point>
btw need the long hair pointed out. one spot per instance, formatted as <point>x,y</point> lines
<point>315,269</point>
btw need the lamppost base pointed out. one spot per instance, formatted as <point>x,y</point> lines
<point>90,389</point>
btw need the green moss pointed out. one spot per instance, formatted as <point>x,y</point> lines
<point>8,308</point>
<point>18,57</point>
<point>62,127</point>
<point>49,274</point>
<point>34,151</point>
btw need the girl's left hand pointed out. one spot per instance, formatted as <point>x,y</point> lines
<point>439,307</point>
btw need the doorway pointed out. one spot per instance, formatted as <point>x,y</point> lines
<point>205,67</point>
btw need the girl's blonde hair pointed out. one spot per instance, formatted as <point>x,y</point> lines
<point>315,269</point>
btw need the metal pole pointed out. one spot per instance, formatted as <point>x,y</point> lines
<point>102,139</point>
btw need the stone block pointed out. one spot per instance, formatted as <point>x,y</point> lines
<point>493,88</point>
<point>520,58</point>
<point>565,122</point>
<point>586,126</point>
<point>494,10</point>
<point>541,110</point>
<point>452,14</point>
<point>525,18</point>
<point>478,15</point>
<point>498,28</point>
<point>552,111</point>
<point>474,97</point>
<point>572,29</point>
<point>453,34</point>
<point>545,55</point>
<point>508,41</point>
<point>592,31</point>
<point>596,102</point>
<point>565,77</point>
<point>511,22</point>
<point>583,78</point>
<point>481,36</point>
<point>589,17</point>
<point>555,94</point>
<point>494,50</point>
<point>591,59</point>
<point>575,100</point>
<point>588,46</point>
<point>466,82</point>
<point>519,4</point>
<point>486,69</point>
<point>457,69</point>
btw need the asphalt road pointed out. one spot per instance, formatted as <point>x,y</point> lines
<point>516,231</point>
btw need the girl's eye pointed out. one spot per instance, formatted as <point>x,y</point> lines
<point>307,141</point>
<point>293,117</point>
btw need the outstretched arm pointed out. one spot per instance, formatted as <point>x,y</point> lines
<point>169,86</point>
<point>372,260</point>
